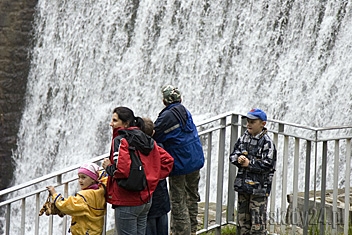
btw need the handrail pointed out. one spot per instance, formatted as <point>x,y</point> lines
<point>46,177</point>
<point>32,193</point>
<point>201,123</point>
<point>310,128</point>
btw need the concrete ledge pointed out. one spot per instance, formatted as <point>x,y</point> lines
<point>315,214</point>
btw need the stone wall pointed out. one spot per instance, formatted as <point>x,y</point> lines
<point>314,215</point>
<point>16,18</point>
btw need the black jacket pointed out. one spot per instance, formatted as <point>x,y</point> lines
<point>261,152</point>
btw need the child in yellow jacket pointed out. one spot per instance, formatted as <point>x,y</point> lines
<point>88,206</point>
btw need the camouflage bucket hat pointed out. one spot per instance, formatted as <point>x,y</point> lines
<point>171,94</point>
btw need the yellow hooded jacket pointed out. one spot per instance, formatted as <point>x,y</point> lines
<point>87,209</point>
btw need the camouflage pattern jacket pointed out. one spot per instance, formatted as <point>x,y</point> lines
<point>257,177</point>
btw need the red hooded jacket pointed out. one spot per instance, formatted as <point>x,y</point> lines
<point>157,164</point>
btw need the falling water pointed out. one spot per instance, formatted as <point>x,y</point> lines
<point>290,58</point>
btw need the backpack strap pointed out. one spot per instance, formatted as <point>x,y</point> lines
<point>179,111</point>
<point>149,195</point>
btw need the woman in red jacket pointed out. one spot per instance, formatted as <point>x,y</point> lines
<point>131,207</point>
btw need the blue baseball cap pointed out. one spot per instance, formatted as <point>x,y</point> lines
<point>256,114</point>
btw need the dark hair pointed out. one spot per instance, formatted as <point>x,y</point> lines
<point>127,115</point>
<point>148,126</point>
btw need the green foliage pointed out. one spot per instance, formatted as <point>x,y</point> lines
<point>226,230</point>
<point>314,230</point>
<point>110,232</point>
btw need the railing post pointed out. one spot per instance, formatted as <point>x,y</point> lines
<point>273,193</point>
<point>304,217</point>
<point>51,222</point>
<point>315,171</point>
<point>23,216</point>
<point>347,219</point>
<point>335,189</point>
<point>105,221</point>
<point>64,222</point>
<point>243,125</point>
<point>295,187</point>
<point>220,181</point>
<point>315,165</point>
<point>59,179</point>
<point>323,188</point>
<point>232,171</point>
<point>281,128</point>
<point>8,216</point>
<point>37,208</point>
<point>284,184</point>
<point>207,180</point>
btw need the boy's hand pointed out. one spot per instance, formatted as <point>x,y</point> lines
<point>243,161</point>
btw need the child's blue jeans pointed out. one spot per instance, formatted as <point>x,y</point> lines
<point>157,226</point>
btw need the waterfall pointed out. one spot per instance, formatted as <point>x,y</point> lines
<point>289,58</point>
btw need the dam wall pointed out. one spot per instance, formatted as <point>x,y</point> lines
<point>16,18</point>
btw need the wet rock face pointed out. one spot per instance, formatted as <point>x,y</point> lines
<point>16,19</point>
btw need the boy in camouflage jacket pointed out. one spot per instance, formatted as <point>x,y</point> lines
<point>255,156</point>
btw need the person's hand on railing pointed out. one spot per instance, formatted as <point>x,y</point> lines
<point>106,162</point>
<point>51,190</point>
<point>49,207</point>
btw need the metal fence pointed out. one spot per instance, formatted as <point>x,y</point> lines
<point>311,190</point>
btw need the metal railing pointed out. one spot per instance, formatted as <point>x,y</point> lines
<point>312,179</point>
